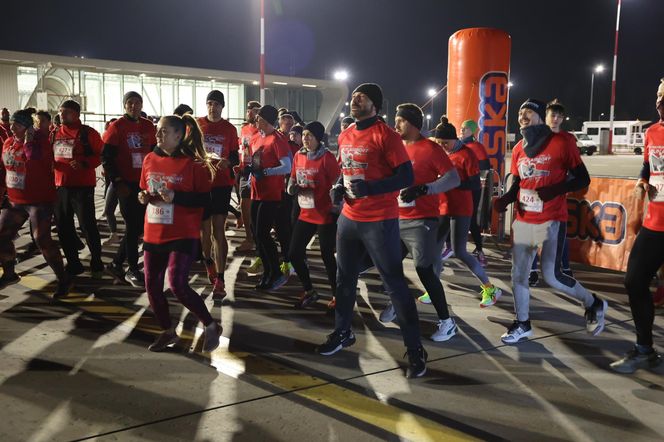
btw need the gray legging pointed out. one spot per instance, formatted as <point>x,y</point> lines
<point>458,226</point>
<point>109,207</point>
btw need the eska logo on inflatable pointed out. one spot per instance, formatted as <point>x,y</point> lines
<point>602,222</point>
<point>493,109</point>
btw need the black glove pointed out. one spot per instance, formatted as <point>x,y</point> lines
<point>337,194</point>
<point>500,204</point>
<point>550,192</point>
<point>409,194</point>
<point>359,188</point>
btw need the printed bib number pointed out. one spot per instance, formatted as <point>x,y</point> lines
<point>160,213</point>
<point>305,199</point>
<point>136,160</point>
<point>63,149</point>
<point>530,201</point>
<point>214,148</point>
<point>347,180</point>
<point>657,181</point>
<point>404,204</point>
<point>15,180</point>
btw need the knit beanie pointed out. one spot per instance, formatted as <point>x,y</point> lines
<point>317,130</point>
<point>470,124</point>
<point>374,92</point>
<point>411,113</point>
<point>129,95</point>
<point>536,106</point>
<point>217,96</point>
<point>269,114</point>
<point>348,120</point>
<point>445,130</point>
<point>22,117</point>
<point>297,129</point>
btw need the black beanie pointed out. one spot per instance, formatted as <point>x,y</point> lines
<point>296,117</point>
<point>23,117</point>
<point>536,106</point>
<point>374,92</point>
<point>348,120</point>
<point>217,96</point>
<point>317,129</point>
<point>269,114</point>
<point>129,95</point>
<point>71,104</point>
<point>411,113</point>
<point>183,109</point>
<point>297,129</point>
<point>445,130</point>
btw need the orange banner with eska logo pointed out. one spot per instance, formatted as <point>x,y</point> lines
<point>603,222</point>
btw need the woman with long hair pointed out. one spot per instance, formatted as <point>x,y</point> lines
<point>175,186</point>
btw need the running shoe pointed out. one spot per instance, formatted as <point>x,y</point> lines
<point>63,287</point>
<point>445,330</point>
<point>256,267</point>
<point>113,239</point>
<point>336,341</point>
<point>211,271</point>
<point>8,279</point>
<point>533,279</point>
<point>115,271</point>
<point>595,315</point>
<point>286,268</point>
<point>658,297</point>
<point>388,314</point>
<point>211,337</point>
<point>490,295</point>
<point>481,258</point>
<point>74,268</point>
<point>264,282</point>
<point>417,362</point>
<point>447,254</point>
<point>164,340</point>
<point>518,331</point>
<point>635,360</point>
<point>278,283</point>
<point>135,278</point>
<point>246,246</point>
<point>425,298</point>
<point>307,298</point>
<point>219,290</point>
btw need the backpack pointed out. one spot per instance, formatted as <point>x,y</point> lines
<point>83,136</point>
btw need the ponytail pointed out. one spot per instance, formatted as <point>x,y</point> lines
<point>192,144</point>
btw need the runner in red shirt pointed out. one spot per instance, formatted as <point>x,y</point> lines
<point>247,133</point>
<point>468,131</point>
<point>175,183</point>
<point>126,142</point>
<point>77,150</point>
<point>456,209</point>
<point>546,166</point>
<point>647,253</point>
<point>4,121</point>
<point>315,170</point>
<point>374,167</point>
<point>271,160</point>
<point>27,163</point>
<point>221,142</point>
<point>418,212</point>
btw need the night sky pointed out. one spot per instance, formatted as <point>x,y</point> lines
<point>401,45</point>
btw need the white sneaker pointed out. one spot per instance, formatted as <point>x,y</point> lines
<point>517,332</point>
<point>388,314</point>
<point>447,328</point>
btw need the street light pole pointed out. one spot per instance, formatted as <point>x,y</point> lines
<point>598,69</point>
<point>613,81</point>
<point>262,62</point>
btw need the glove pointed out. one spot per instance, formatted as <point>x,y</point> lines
<point>337,194</point>
<point>258,173</point>
<point>550,192</point>
<point>409,194</point>
<point>500,204</point>
<point>359,188</point>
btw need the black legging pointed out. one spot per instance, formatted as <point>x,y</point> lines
<point>133,214</point>
<point>646,257</point>
<point>263,215</point>
<point>282,224</point>
<point>475,230</point>
<point>302,234</point>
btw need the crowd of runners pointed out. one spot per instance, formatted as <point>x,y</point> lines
<point>389,192</point>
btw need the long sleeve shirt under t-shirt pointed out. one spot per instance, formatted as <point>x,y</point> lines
<point>267,152</point>
<point>654,156</point>
<point>67,147</point>
<point>28,169</point>
<point>221,140</point>
<point>370,154</point>
<point>133,140</point>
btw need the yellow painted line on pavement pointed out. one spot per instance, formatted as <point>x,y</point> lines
<point>356,405</point>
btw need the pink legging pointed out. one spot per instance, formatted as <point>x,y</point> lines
<point>178,265</point>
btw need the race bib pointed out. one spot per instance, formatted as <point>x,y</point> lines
<point>15,180</point>
<point>530,201</point>
<point>402,203</point>
<point>160,213</point>
<point>347,180</point>
<point>136,160</point>
<point>215,148</point>
<point>657,181</point>
<point>63,149</point>
<point>305,199</point>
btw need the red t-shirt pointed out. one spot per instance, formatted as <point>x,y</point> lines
<point>29,170</point>
<point>220,139</point>
<point>478,149</point>
<point>371,154</point>
<point>654,155</point>
<point>170,222</point>
<point>134,140</point>
<point>3,134</point>
<point>247,134</point>
<point>459,202</point>
<point>547,168</point>
<point>315,179</point>
<point>67,146</point>
<point>267,151</point>
<point>429,162</point>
